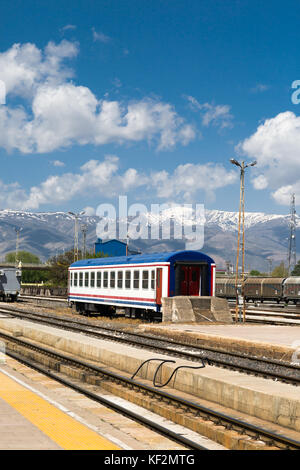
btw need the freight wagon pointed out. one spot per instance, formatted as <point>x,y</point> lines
<point>10,283</point>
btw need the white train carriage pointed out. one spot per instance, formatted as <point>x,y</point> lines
<point>138,283</point>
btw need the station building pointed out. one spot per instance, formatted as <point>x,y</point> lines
<point>114,248</point>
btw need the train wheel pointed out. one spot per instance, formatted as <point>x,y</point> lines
<point>79,308</point>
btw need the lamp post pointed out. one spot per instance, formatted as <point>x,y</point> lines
<point>76,216</point>
<point>242,167</point>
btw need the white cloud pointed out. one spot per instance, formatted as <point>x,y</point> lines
<point>216,115</point>
<point>276,147</point>
<point>61,114</point>
<point>101,37</point>
<point>68,27</point>
<point>89,211</point>
<point>104,178</point>
<point>260,182</point>
<point>94,175</point>
<point>260,88</point>
<point>67,114</point>
<point>283,194</point>
<point>187,179</point>
<point>24,67</point>
<point>58,163</point>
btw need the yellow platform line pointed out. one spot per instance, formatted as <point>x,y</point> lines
<point>59,426</point>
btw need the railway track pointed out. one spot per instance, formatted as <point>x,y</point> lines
<point>55,363</point>
<point>267,368</point>
<point>280,313</point>
<point>269,317</point>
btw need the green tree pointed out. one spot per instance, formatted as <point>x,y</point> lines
<point>254,272</point>
<point>24,256</point>
<point>30,276</point>
<point>58,266</point>
<point>296,270</point>
<point>280,271</point>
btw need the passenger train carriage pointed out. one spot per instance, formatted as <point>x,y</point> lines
<point>137,283</point>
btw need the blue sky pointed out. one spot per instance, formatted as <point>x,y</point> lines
<point>148,99</point>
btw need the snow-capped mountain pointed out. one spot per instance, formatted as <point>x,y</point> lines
<point>49,233</point>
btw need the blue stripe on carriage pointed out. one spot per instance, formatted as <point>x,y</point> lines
<point>150,304</point>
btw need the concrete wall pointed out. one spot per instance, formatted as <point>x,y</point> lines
<point>195,309</point>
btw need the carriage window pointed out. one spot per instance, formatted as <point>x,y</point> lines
<point>98,278</point>
<point>120,279</point>
<point>71,279</point>
<point>93,279</point>
<point>153,279</point>
<point>136,279</point>
<point>80,279</point>
<point>112,279</point>
<point>127,279</point>
<point>145,279</point>
<point>75,279</point>
<point>105,279</point>
<point>86,279</point>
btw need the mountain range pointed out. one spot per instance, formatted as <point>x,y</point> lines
<point>49,233</point>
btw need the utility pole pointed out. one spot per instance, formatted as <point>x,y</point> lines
<point>240,289</point>
<point>270,261</point>
<point>292,236</point>
<point>18,230</point>
<point>127,239</point>
<point>76,216</point>
<point>84,231</point>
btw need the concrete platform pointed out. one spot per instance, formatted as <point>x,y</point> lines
<point>18,433</point>
<point>275,402</point>
<point>272,341</point>
<point>30,420</point>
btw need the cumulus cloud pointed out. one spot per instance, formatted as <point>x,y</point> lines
<point>216,115</point>
<point>187,179</point>
<point>104,178</point>
<point>61,114</point>
<point>94,175</point>
<point>276,147</point>
<point>260,182</point>
<point>24,67</point>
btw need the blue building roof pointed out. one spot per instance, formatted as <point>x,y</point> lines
<point>145,258</point>
<point>113,247</point>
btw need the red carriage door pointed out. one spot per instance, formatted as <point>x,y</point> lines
<point>189,280</point>
<point>158,285</point>
<point>184,280</point>
<point>194,280</point>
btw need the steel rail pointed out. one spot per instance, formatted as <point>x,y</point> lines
<point>222,418</point>
<point>193,354</point>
